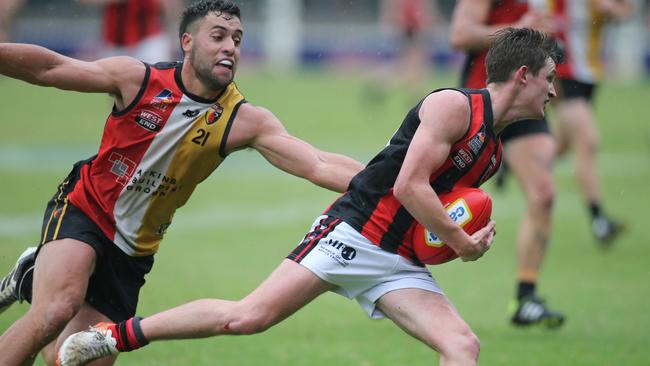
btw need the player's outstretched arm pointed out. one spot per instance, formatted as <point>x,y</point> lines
<point>41,66</point>
<point>289,153</point>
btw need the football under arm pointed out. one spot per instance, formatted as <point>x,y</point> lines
<point>444,120</point>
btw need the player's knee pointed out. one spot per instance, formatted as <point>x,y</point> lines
<point>470,346</point>
<point>252,321</point>
<point>591,143</point>
<point>542,197</point>
<point>463,346</point>
<point>561,149</point>
<point>54,315</point>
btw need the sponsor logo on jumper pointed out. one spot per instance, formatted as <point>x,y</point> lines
<point>153,183</point>
<point>213,114</point>
<point>341,253</point>
<point>461,159</point>
<point>122,166</point>
<point>191,113</point>
<point>476,143</point>
<point>465,155</point>
<point>458,162</point>
<point>149,120</point>
<point>162,100</point>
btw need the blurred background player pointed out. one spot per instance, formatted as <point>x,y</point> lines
<point>410,23</point>
<point>413,21</point>
<point>581,28</point>
<point>139,28</point>
<point>529,148</point>
<point>8,9</point>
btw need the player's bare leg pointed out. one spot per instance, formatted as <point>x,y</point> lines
<point>531,159</point>
<point>576,123</point>
<point>61,277</point>
<point>290,287</point>
<point>577,129</point>
<point>431,318</point>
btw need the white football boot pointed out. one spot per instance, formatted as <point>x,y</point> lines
<point>86,346</point>
<point>11,283</point>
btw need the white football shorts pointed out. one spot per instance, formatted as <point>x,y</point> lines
<point>340,255</point>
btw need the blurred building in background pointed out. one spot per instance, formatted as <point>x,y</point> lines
<point>286,34</point>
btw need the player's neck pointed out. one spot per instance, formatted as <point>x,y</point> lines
<point>501,96</point>
<point>504,106</point>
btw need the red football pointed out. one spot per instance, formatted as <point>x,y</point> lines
<point>470,208</point>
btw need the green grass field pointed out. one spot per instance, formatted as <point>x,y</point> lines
<point>248,216</point>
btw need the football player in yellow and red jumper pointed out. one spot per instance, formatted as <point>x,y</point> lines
<point>171,126</point>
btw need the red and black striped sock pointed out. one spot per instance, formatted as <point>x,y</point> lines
<point>129,335</point>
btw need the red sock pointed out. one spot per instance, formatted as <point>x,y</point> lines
<point>128,335</point>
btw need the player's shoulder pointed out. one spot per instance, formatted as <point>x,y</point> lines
<point>124,68</point>
<point>251,123</point>
<point>447,110</point>
<point>123,63</point>
<point>250,113</point>
<point>453,94</point>
<point>455,100</point>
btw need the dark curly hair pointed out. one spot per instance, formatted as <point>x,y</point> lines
<point>202,8</point>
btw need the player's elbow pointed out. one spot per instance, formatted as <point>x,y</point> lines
<point>253,322</point>
<point>403,190</point>
<point>458,39</point>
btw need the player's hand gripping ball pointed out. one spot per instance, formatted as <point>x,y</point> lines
<point>470,208</point>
